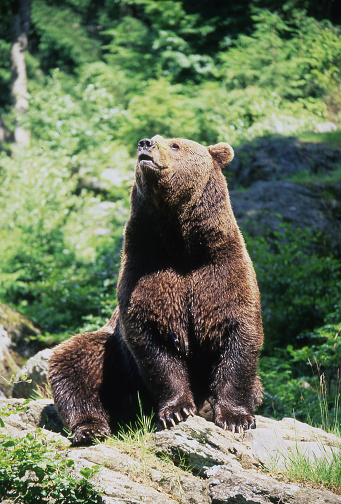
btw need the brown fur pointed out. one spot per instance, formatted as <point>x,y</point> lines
<point>188,327</point>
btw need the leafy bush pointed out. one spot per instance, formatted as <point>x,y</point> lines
<point>54,267</point>
<point>62,39</point>
<point>33,472</point>
<point>324,345</point>
<point>322,358</point>
<point>288,57</point>
<point>299,286</point>
<point>294,388</point>
<point>282,391</point>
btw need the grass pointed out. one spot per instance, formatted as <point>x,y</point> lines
<point>333,138</point>
<point>323,471</point>
<point>136,440</point>
<point>328,399</point>
<point>322,176</point>
<point>131,436</point>
<point>320,471</point>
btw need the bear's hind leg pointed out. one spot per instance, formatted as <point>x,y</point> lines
<point>77,377</point>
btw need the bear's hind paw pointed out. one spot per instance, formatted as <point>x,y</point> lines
<point>87,434</point>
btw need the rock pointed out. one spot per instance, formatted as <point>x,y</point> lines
<point>205,445</point>
<point>280,158</point>
<point>221,467</point>
<point>34,373</point>
<point>264,192</point>
<point>16,344</point>
<point>8,366</point>
<point>19,329</point>
<point>227,487</point>
<point>231,462</point>
<point>266,205</point>
<point>126,479</point>
<point>27,416</point>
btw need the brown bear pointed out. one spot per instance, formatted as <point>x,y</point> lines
<point>188,325</point>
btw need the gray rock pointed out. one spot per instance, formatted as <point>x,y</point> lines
<point>280,158</point>
<point>30,415</point>
<point>34,373</point>
<point>266,205</point>
<point>19,329</point>
<point>221,467</point>
<point>8,366</point>
<point>264,193</point>
<point>128,479</point>
<point>248,487</point>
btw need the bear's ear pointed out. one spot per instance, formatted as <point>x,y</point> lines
<point>222,153</point>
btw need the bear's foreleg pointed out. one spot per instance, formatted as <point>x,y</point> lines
<point>235,386</point>
<point>166,377</point>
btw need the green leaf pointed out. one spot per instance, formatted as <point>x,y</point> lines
<point>30,436</point>
<point>86,472</point>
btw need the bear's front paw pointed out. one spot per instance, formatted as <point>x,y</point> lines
<point>86,434</point>
<point>235,419</point>
<point>175,410</point>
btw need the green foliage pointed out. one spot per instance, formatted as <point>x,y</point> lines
<point>146,114</point>
<point>300,291</point>
<point>293,388</point>
<point>5,72</point>
<point>143,66</point>
<point>283,393</point>
<point>299,287</point>
<point>158,43</point>
<point>63,41</point>
<point>53,265</point>
<point>324,345</point>
<point>33,472</point>
<point>77,123</point>
<point>322,358</point>
<point>289,57</point>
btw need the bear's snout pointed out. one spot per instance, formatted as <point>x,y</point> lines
<point>145,144</point>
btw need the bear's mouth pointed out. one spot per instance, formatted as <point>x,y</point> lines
<point>146,161</point>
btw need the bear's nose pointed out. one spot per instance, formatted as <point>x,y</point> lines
<point>145,144</point>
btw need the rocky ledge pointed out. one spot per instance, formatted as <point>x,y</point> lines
<point>194,462</point>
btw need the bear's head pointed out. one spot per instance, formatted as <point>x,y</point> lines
<point>173,170</point>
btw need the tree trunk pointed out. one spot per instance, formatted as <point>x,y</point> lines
<point>20,27</point>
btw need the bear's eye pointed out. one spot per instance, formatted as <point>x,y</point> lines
<point>175,146</point>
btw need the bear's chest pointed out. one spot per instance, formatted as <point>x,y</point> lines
<point>184,310</point>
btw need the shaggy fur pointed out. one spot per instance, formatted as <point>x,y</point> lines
<point>188,327</point>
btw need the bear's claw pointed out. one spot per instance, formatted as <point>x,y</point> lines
<point>175,412</point>
<point>86,434</point>
<point>236,420</point>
